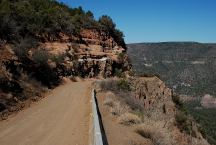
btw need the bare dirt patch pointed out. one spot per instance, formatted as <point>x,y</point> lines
<point>208,101</point>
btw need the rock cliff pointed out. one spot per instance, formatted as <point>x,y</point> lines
<point>25,73</point>
<point>96,54</point>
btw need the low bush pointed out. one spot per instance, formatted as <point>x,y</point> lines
<point>43,72</point>
<point>121,57</point>
<point>130,100</point>
<point>180,105</point>
<point>123,85</point>
<point>119,109</point>
<point>184,123</point>
<point>22,47</point>
<point>40,57</point>
<point>108,84</point>
<point>58,58</point>
<point>109,102</point>
<point>149,75</point>
<point>129,119</point>
<point>155,134</point>
<point>114,85</point>
<point>177,101</point>
<point>146,132</point>
<point>118,73</point>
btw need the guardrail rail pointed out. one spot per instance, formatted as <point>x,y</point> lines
<point>96,128</point>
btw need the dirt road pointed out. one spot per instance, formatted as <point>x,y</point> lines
<point>62,118</point>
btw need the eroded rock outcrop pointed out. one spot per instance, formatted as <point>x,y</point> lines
<point>97,55</point>
<point>154,95</point>
<point>159,117</point>
<point>94,37</point>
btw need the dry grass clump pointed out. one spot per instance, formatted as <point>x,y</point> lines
<point>108,84</point>
<point>119,109</point>
<point>73,79</point>
<point>129,119</point>
<point>196,141</point>
<point>135,143</point>
<point>157,135</point>
<point>109,100</point>
<point>116,107</point>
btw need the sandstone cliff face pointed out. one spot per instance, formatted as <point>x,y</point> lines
<point>95,37</point>
<point>96,55</point>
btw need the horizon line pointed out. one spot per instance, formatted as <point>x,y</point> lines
<point>171,42</point>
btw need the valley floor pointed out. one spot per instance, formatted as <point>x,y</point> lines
<point>62,118</point>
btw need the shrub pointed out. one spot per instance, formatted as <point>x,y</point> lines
<point>118,109</point>
<point>121,57</point>
<point>119,38</point>
<point>177,101</point>
<point>129,119</point>
<point>40,57</point>
<point>58,58</point>
<point>184,123</point>
<point>106,23</point>
<point>181,118</point>
<point>22,47</point>
<point>44,72</point>
<point>47,76</point>
<point>109,102</point>
<point>131,101</point>
<point>108,84</point>
<point>155,134</point>
<point>149,75</point>
<point>76,47</point>
<point>179,104</point>
<point>118,73</point>
<point>146,132</point>
<point>7,27</point>
<point>123,85</point>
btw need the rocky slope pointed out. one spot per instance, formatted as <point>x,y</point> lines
<point>145,107</point>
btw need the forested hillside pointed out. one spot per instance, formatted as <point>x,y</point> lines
<point>46,19</point>
<point>188,67</point>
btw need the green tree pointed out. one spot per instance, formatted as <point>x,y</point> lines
<point>107,23</point>
<point>119,38</point>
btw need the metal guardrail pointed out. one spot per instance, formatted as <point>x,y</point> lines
<point>96,129</point>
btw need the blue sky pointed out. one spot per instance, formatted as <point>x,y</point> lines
<point>157,20</point>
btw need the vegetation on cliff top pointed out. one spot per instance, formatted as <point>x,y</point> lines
<point>35,18</point>
<point>26,23</point>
